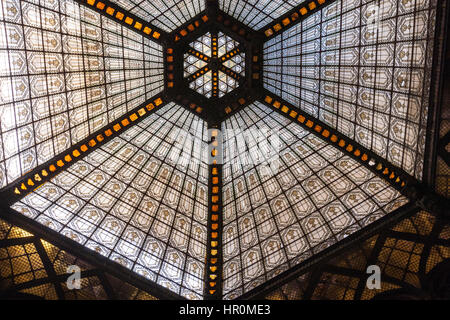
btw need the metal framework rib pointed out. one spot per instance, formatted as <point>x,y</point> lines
<point>230,72</point>
<point>197,74</point>
<point>293,17</point>
<point>227,56</point>
<point>331,252</point>
<point>199,55</point>
<point>213,274</point>
<point>417,192</point>
<point>85,254</point>
<point>51,168</point>
<point>126,19</point>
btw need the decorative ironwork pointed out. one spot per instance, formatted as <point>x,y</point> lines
<point>198,41</point>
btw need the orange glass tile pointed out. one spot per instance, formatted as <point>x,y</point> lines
<point>110,11</point>
<point>120,15</point>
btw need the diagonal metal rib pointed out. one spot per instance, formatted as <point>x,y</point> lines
<point>199,55</point>
<point>227,56</point>
<point>231,73</point>
<point>126,19</point>
<point>35,178</point>
<point>88,255</point>
<point>199,73</point>
<point>293,17</point>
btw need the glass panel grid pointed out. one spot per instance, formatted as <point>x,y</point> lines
<point>66,72</point>
<point>257,14</point>
<point>274,220</point>
<point>136,203</point>
<point>167,15</point>
<point>363,68</point>
<point>203,84</point>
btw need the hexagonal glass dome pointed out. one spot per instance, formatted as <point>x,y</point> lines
<point>214,64</point>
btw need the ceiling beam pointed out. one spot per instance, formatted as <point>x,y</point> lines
<point>212,4</point>
<point>48,266</point>
<point>43,173</point>
<point>320,259</point>
<point>198,73</point>
<point>126,19</point>
<point>293,17</point>
<point>214,256</point>
<point>190,30</point>
<point>227,56</point>
<point>198,55</point>
<point>88,255</point>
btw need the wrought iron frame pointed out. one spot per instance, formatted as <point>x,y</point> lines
<point>215,110</point>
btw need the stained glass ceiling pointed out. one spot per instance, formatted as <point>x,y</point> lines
<point>66,72</point>
<point>143,195</point>
<point>257,13</point>
<point>362,69</point>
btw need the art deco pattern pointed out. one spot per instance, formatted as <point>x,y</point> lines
<point>140,200</point>
<point>166,14</point>
<point>143,196</point>
<point>65,72</point>
<point>362,68</point>
<point>314,197</point>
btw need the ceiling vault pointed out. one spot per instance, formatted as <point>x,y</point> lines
<point>88,255</point>
<point>214,111</point>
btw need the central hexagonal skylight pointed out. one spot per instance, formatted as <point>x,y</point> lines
<point>214,65</point>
